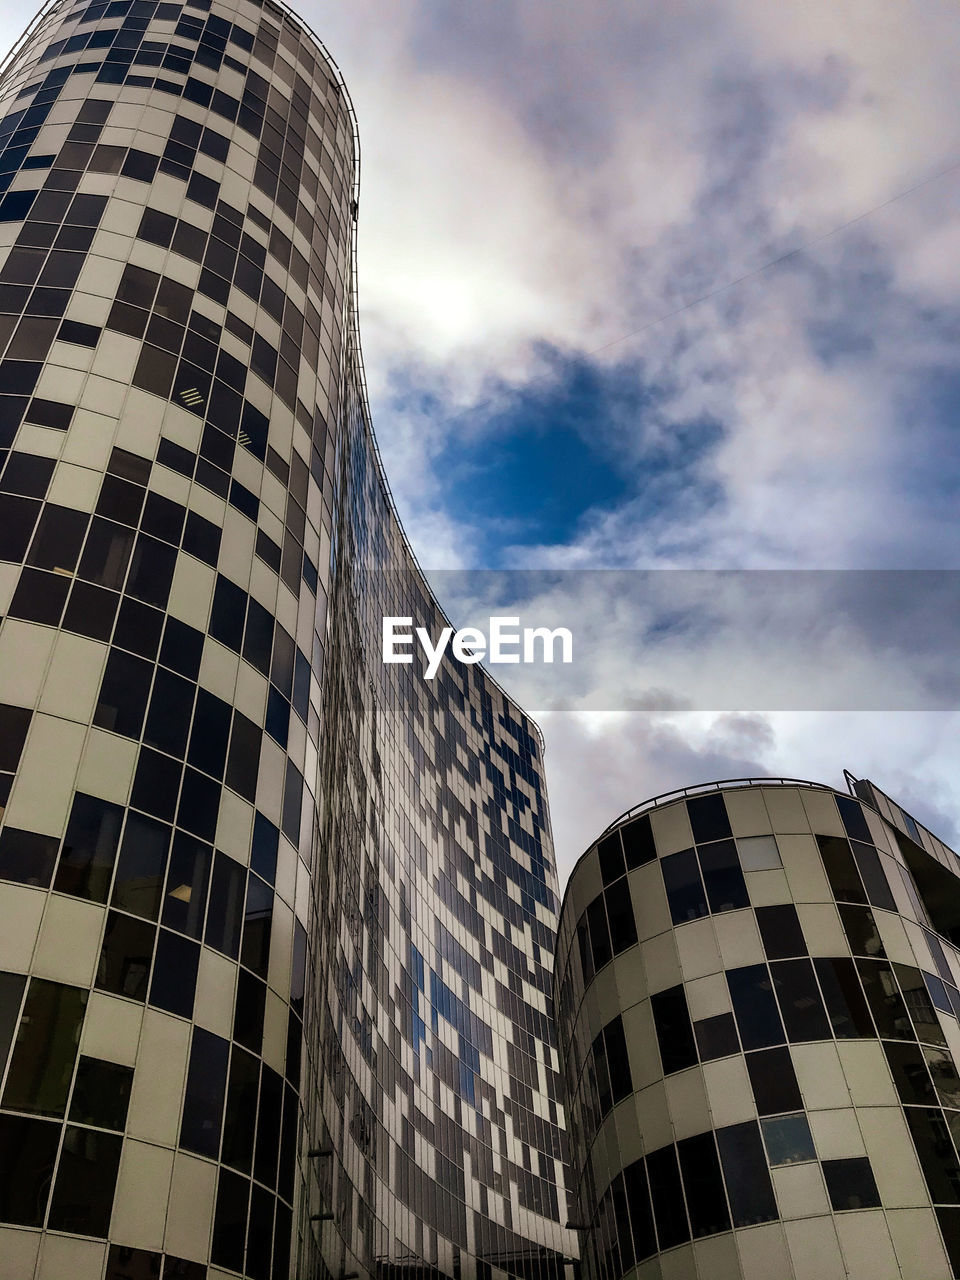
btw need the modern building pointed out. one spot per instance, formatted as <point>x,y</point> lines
<point>276,920</point>
<point>757,1003</point>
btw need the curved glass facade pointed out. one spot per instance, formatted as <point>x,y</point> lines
<point>276,920</point>
<point>757,1002</point>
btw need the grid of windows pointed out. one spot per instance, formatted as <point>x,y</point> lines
<point>276,922</point>
<point>787,1011</point>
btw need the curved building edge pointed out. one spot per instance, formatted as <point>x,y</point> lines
<point>291,909</point>
<point>757,993</point>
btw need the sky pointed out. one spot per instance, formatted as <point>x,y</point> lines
<point>674,287</point>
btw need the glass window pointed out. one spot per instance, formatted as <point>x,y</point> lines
<point>225,914</point>
<point>886,1004</point>
<point>156,784</point>
<point>132,1264</point>
<point>101,1094</point>
<point>909,1070</point>
<point>850,1183</point>
<point>949,1223</point>
<point>610,858</point>
<point>268,1127</point>
<point>28,1149</point>
<point>623,928</point>
<point>667,1196</point>
<point>599,933</point>
<point>204,1098</point>
<point>141,866</point>
<point>935,1150</point>
<point>799,998</point>
<point>641,1213</point>
<point>11,996</point>
<point>248,1014</point>
<point>745,1170</point>
<point>59,535</point>
<point>230,1221</point>
<point>86,1180</point>
<point>14,723</point>
<point>871,870</point>
<point>944,1074</point>
<point>199,804</point>
<point>861,929</point>
<point>618,1061</point>
<point>774,1081</point>
<point>89,848</point>
<point>843,996</point>
<point>722,877</point>
<point>243,765</point>
<point>754,1006</point>
<point>171,704</point>
<point>258,918</point>
<point>45,1051</point>
<point>788,1139</point>
<point>685,893</point>
<point>26,857</point>
<point>106,553</point>
<point>175,966</point>
<point>188,876</point>
<point>125,956</point>
<point>852,816</point>
<point>263,853</point>
<point>241,1111</point>
<point>674,1032</point>
<point>638,843</point>
<point>39,597</point>
<point>841,869</point>
<point>138,628</point>
<point>211,729</point>
<point>716,1037</point>
<point>926,1024</point>
<point>708,818</point>
<point>706,1202</point>
<point>781,932</point>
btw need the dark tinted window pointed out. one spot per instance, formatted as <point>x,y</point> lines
<point>125,956</point>
<point>685,893</point>
<point>841,869</point>
<point>86,1180</point>
<point>667,1196</point>
<point>141,866</point>
<point>938,1158</point>
<point>175,966</point>
<point>101,1094</point>
<point>708,818</point>
<point>861,929</point>
<point>799,997</point>
<point>745,1170</point>
<point>206,1086</point>
<point>706,1202</point>
<point>14,723</point>
<point>908,1067</point>
<point>886,1005</point>
<point>638,843</point>
<point>781,932</point>
<point>852,816</point>
<point>225,912</point>
<point>871,870</point>
<point>241,1111</point>
<point>89,848</point>
<point>843,996</point>
<point>674,1032</point>
<point>641,1213</point>
<point>850,1183</point>
<point>599,933</point>
<point>28,1149</point>
<point>716,1037</point>
<point>188,876</point>
<point>926,1024</point>
<point>754,1006</point>
<point>623,928</point>
<point>610,858</point>
<point>45,1050</point>
<point>26,857</point>
<point>722,877</point>
<point>774,1081</point>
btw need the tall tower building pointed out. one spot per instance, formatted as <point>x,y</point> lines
<point>276,920</point>
<point>758,987</point>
